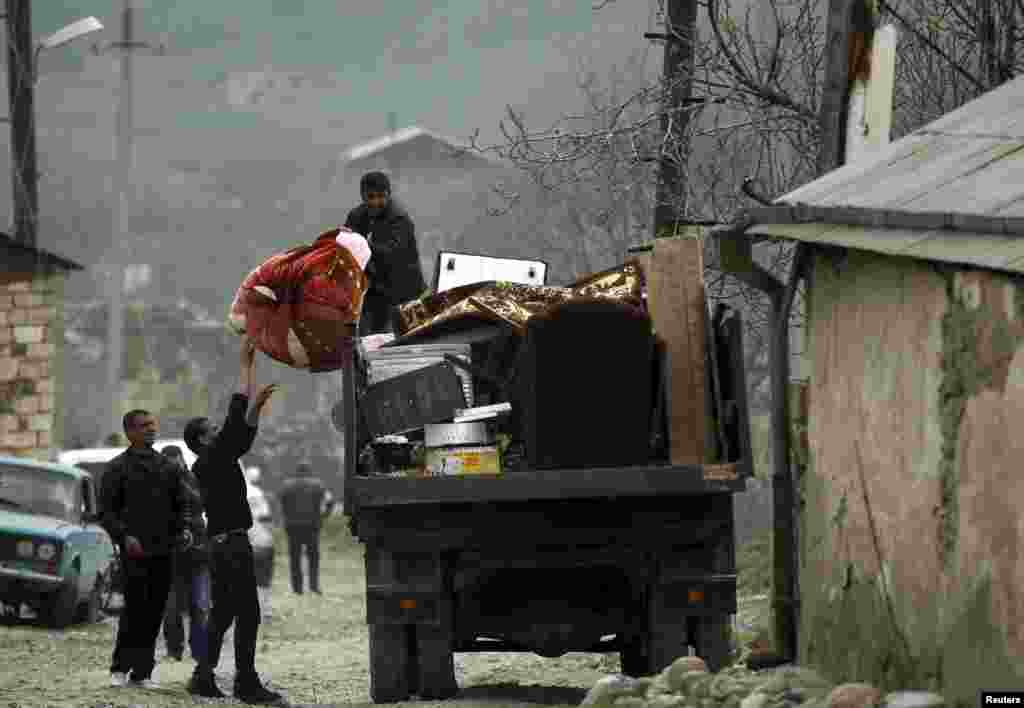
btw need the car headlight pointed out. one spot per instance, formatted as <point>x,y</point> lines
<point>25,549</point>
<point>46,551</point>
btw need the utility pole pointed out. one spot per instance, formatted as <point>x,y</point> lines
<point>680,28</point>
<point>847,25</point>
<point>21,72</point>
<point>124,164</point>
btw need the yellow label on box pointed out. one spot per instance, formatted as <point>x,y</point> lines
<point>456,461</point>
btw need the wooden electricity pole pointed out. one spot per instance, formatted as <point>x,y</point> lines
<point>848,35</point>
<point>21,72</point>
<point>680,28</point>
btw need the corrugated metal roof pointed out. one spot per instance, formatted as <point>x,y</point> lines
<point>399,137</point>
<point>970,161</point>
<point>951,191</point>
<point>966,247</point>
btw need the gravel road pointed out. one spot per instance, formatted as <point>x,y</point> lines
<point>313,648</point>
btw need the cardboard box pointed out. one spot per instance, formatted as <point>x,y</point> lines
<point>461,461</point>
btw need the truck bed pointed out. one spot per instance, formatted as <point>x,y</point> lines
<point>639,481</point>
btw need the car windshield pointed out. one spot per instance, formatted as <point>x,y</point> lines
<point>37,491</point>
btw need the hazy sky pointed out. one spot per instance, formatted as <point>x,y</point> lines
<point>450,65</point>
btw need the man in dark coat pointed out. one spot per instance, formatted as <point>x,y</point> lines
<point>229,518</point>
<point>305,501</point>
<point>394,270</point>
<point>146,511</point>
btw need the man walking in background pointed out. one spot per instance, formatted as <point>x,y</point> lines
<point>190,581</point>
<point>305,502</point>
<point>146,511</point>
<point>394,270</point>
<point>229,518</point>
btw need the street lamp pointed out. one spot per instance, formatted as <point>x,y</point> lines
<point>65,35</point>
<point>69,33</point>
<point>21,79</point>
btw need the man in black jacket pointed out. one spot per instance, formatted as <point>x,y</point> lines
<point>305,501</point>
<point>222,484</point>
<point>147,513</point>
<point>394,270</point>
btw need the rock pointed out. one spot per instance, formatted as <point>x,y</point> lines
<point>629,702</point>
<point>755,700</point>
<point>913,699</point>
<point>688,683</point>
<point>609,688</point>
<point>665,701</point>
<point>789,676</point>
<point>854,695</point>
<point>675,671</point>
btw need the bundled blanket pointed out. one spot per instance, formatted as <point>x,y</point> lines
<point>301,306</point>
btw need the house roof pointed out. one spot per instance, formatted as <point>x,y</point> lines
<point>412,138</point>
<point>951,191</point>
<point>19,257</point>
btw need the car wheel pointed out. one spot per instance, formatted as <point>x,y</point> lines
<point>91,611</point>
<point>59,609</point>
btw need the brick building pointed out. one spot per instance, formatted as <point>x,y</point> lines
<point>31,339</point>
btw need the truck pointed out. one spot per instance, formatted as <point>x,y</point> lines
<point>606,544</point>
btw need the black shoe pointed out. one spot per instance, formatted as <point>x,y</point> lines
<point>317,591</point>
<point>252,691</point>
<point>204,685</point>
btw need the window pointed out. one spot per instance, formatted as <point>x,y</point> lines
<point>38,491</point>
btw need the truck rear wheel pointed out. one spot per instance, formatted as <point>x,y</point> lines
<point>710,636</point>
<point>634,657</point>
<point>436,663</point>
<point>390,663</point>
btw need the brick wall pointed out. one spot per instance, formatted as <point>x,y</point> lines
<point>30,338</point>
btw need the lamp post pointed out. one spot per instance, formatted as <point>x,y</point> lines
<point>22,55</point>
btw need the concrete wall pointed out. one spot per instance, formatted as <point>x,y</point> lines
<point>912,573</point>
<point>31,337</point>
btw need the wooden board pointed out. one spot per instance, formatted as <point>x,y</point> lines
<point>676,300</point>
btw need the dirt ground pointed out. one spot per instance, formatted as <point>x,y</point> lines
<point>312,648</point>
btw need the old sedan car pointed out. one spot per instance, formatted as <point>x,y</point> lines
<point>54,557</point>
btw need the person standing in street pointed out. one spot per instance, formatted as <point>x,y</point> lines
<point>190,579</point>
<point>394,269</point>
<point>305,502</point>
<point>229,518</point>
<point>146,511</point>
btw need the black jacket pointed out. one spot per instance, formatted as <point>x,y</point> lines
<point>220,476</point>
<point>394,270</point>
<point>142,496</point>
<point>302,501</point>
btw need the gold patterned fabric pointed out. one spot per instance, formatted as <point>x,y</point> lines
<point>513,303</point>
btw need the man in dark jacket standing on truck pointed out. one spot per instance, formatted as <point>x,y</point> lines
<point>222,484</point>
<point>146,512</point>
<point>305,501</point>
<point>394,270</point>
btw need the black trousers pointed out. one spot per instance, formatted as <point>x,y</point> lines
<point>304,536</point>
<point>376,316</point>
<point>146,584</point>
<point>235,600</point>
